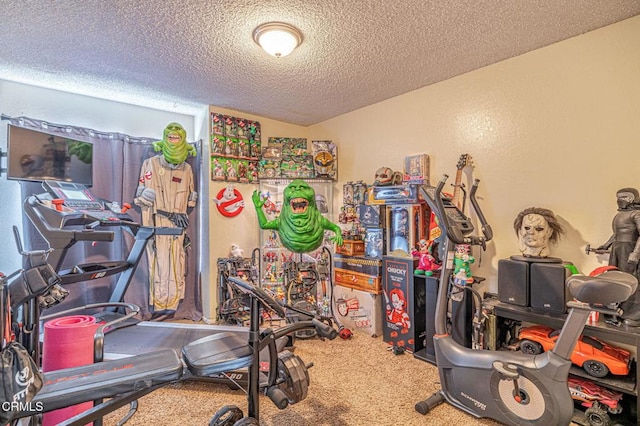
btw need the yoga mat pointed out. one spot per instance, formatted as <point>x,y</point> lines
<point>68,342</point>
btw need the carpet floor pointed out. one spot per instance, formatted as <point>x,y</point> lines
<point>353,382</point>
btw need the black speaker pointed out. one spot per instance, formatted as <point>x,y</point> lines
<point>548,291</point>
<point>513,282</point>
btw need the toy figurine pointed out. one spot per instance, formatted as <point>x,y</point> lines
<point>536,227</point>
<point>300,224</point>
<point>427,263</point>
<point>236,251</point>
<point>624,244</point>
<point>624,247</point>
<point>461,262</point>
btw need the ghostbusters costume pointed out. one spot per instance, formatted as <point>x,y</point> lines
<point>165,191</point>
<point>173,186</point>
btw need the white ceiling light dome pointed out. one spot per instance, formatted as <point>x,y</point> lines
<point>277,38</point>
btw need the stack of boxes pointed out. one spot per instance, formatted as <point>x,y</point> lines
<point>357,264</point>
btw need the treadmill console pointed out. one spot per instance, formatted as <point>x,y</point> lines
<point>75,196</point>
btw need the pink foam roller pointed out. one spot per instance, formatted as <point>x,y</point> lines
<point>68,342</point>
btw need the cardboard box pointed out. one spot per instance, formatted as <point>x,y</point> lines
<point>416,169</point>
<point>358,310</point>
<point>351,248</point>
<point>362,265</point>
<point>325,159</point>
<point>372,216</point>
<point>396,194</point>
<point>358,281</point>
<point>374,243</point>
<point>402,325</point>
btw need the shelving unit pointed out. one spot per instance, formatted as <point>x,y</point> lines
<point>628,336</point>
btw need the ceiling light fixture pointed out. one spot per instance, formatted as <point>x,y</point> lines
<point>277,38</point>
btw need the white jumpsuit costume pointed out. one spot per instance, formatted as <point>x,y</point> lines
<point>174,192</point>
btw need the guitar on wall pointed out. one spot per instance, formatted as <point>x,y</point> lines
<point>464,161</point>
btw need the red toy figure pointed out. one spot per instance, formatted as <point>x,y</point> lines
<point>427,264</point>
<point>396,312</point>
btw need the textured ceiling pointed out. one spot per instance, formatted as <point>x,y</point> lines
<point>185,54</point>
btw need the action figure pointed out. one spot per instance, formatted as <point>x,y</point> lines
<point>624,244</point>
<point>624,247</point>
<point>426,263</point>
<point>462,261</point>
<point>536,227</point>
<point>300,224</point>
<point>164,193</point>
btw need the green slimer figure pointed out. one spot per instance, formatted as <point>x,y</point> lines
<point>174,144</point>
<point>300,224</point>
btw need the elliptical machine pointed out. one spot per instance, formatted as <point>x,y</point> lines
<point>512,388</point>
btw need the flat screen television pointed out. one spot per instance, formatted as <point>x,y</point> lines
<point>35,155</point>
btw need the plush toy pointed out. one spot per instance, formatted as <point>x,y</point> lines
<point>426,263</point>
<point>461,262</point>
<point>236,251</point>
<point>300,224</point>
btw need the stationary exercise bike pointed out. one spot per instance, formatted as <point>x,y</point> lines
<point>125,380</point>
<point>512,388</point>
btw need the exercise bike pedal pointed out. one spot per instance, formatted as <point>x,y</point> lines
<point>423,407</point>
<point>507,370</point>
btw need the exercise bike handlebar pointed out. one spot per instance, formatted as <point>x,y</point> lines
<point>485,227</point>
<point>453,233</point>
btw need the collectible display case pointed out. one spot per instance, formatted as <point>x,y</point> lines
<point>407,224</point>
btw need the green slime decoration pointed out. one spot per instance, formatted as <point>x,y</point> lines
<point>300,224</point>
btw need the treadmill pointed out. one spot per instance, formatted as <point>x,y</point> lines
<point>69,213</point>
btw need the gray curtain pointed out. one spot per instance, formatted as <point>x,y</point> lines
<point>117,159</point>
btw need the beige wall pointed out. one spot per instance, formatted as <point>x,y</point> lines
<point>558,128</point>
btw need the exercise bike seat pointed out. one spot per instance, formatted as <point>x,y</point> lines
<point>71,386</point>
<point>217,353</point>
<point>606,288</point>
